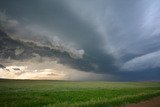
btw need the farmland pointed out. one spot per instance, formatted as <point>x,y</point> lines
<point>46,93</point>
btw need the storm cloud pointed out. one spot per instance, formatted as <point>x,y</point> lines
<point>120,38</point>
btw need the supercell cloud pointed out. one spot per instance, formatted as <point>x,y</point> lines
<point>97,39</point>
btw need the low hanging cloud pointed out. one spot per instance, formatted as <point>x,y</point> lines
<point>37,35</point>
<point>144,62</point>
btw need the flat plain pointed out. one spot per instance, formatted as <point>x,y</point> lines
<point>48,93</point>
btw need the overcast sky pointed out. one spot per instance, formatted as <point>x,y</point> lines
<point>122,36</point>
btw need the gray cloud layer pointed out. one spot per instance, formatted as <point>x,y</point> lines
<point>117,36</point>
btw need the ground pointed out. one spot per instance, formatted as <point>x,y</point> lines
<point>45,93</point>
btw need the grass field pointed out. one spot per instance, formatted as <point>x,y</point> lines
<point>28,93</point>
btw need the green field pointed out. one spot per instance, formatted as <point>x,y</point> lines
<point>28,93</point>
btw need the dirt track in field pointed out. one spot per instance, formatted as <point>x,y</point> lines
<point>155,102</point>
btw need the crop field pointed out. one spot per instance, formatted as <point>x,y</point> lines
<point>45,93</point>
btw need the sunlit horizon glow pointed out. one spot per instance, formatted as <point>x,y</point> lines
<point>45,70</point>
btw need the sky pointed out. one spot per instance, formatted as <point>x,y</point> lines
<point>121,38</point>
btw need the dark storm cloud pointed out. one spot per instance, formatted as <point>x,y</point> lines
<point>54,16</point>
<point>118,37</point>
